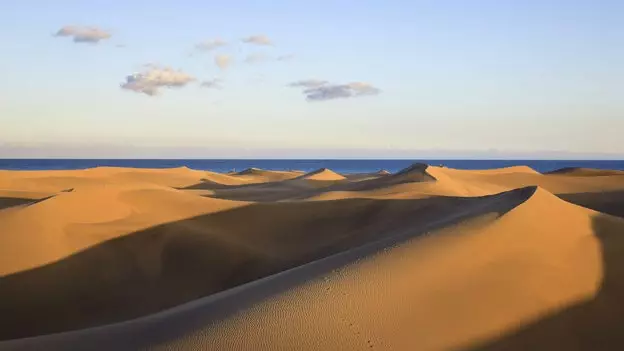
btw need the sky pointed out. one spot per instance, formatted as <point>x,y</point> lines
<point>314,79</point>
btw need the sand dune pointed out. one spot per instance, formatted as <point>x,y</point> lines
<point>413,174</point>
<point>323,174</point>
<point>63,224</point>
<point>427,258</point>
<point>261,175</point>
<point>586,172</point>
<point>55,181</point>
<point>366,176</point>
<point>508,178</point>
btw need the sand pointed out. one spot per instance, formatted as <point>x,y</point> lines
<point>323,174</point>
<point>428,258</point>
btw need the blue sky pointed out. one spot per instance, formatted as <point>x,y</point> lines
<point>518,77</point>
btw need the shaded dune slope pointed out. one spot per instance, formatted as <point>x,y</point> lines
<point>173,259</point>
<point>274,185</point>
<point>6,202</point>
<point>413,174</point>
<point>53,228</point>
<point>427,258</point>
<point>586,172</point>
<point>520,278</point>
<point>267,175</point>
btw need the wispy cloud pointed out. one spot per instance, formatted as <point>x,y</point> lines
<point>257,40</point>
<point>82,34</point>
<point>209,45</point>
<point>153,78</point>
<point>361,88</point>
<point>223,61</point>
<point>212,83</point>
<point>320,90</point>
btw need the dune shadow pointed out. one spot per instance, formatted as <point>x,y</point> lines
<point>164,266</point>
<point>595,324</point>
<point>610,202</point>
<point>300,187</point>
<point>290,189</point>
<point>6,202</point>
<point>585,172</point>
<point>204,184</point>
<point>239,192</point>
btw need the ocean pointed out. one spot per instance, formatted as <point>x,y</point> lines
<point>341,166</point>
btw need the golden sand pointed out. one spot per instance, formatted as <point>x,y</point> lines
<point>427,258</point>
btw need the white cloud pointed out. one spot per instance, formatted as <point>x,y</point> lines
<point>320,90</point>
<point>153,78</point>
<point>361,88</point>
<point>258,40</point>
<point>83,34</point>
<point>223,61</point>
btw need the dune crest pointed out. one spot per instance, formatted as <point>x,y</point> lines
<point>322,174</point>
<point>61,225</point>
<point>426,258</point>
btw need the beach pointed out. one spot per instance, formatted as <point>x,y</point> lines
<point>424,258</point>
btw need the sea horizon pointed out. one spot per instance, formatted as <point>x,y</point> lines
<point>342,165</point>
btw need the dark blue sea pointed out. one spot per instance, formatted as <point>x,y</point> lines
<point>341,166</point>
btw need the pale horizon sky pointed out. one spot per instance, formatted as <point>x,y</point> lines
<point>279,78</point>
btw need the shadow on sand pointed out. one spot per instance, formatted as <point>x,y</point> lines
<point>6,202</point>
<point>170,264</point>
<point>596,324</point>
<point>609,202</point>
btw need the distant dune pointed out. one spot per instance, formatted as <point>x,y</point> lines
<point>323,174</point>
<point>427,258</point>
<point>260,175</point>
<point>586,172</point>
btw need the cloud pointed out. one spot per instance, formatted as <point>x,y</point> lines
<point>153,78</point>
<point>258,40</point>
<point>223,61</point>
<point>361,88</point>
<point>212,83</point>
<point>83,34</point>
<point>319,90</point>
<point>328,92</point>
<point>210,45</point>
<point>257,58</point>
<point>308,83</point>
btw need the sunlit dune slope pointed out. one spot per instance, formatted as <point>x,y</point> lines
<point>427,258</point>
